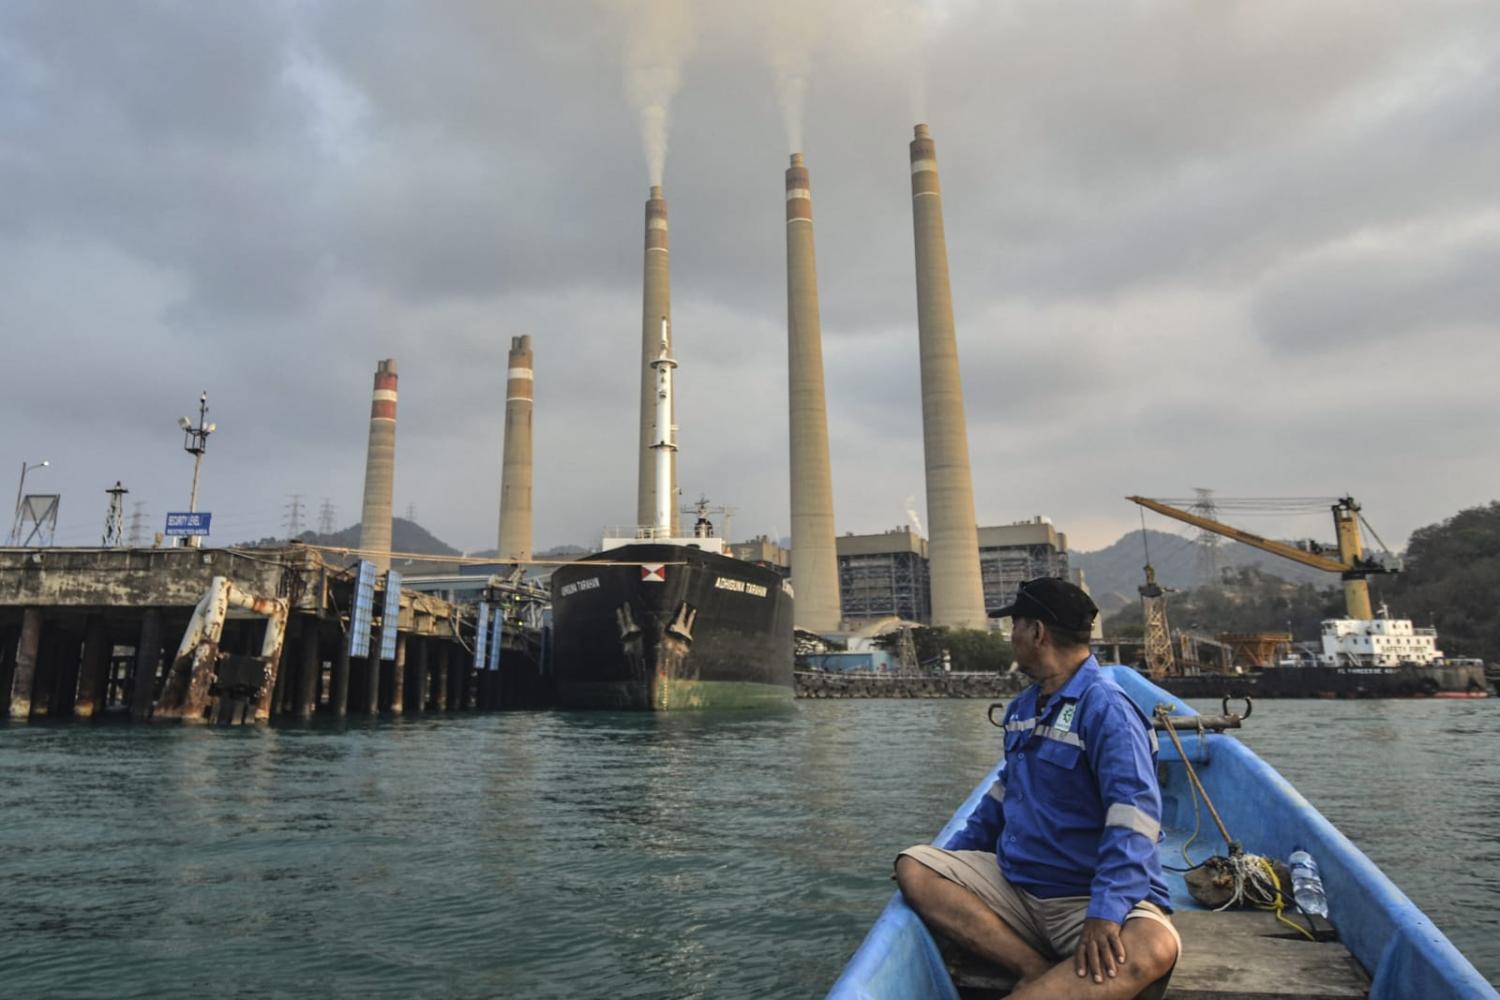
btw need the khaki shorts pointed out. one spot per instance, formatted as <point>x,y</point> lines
<point>1050,926</point>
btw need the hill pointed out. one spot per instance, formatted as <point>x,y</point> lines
<point>1114,572</point>
<point>1251,601</point>
<point>406,536</point>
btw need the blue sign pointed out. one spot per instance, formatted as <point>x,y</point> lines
<point>188,523</point>
<point>481,634</point>
<point>362,610</point>
<point>391,616</point>
<point>497,634</point>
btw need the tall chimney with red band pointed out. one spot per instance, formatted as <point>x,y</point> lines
<point>515,463</point>
<point>380,469</point>
<point>815,573</point>
<point>957,594</point>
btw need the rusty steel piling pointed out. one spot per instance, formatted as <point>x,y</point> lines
<point>339,695</point>
<point>309,671</point>
<point>93,677</point>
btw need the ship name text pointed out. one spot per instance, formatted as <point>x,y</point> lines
<point>739,586</point>
<point>568,589</point>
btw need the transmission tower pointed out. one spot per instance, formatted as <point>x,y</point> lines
<point>1210,558</point>
<point>114,521</point>
<point>138,525</point>
<point>293,519</point>
<point>411,513</point>
<point>325,518</point>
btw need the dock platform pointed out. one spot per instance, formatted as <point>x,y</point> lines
<point>88,632</point>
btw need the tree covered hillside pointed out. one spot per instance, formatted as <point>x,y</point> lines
<point>1452,581</point>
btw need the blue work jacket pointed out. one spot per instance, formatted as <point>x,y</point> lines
<point>1076,810</point>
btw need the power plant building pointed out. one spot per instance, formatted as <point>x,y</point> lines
<point>884,574</point>
<point>763,551</point>
<point>1010,554</point>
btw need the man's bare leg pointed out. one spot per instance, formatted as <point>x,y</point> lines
<point>1150,952</point>
<point>955,911</point>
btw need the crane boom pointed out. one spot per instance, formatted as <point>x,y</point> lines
<point>1351,564</point>
<point>1254,541</point>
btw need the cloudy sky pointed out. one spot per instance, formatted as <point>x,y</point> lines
<point>1252,247</point>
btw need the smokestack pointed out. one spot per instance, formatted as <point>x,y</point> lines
<point>656,305</point>
<point>380,469</point>
<point>814,561</point>
<point>515,465</point>
<point>953,549</point>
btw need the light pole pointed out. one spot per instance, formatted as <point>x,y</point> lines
<point>15,526</point>
<point>195,443</point>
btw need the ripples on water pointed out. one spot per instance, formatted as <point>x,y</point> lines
<point>580,855</point>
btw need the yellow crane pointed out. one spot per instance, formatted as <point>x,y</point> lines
<point>1351,563</point>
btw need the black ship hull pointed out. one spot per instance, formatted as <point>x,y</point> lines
<point>658,627</point>
<point>1409,681</point>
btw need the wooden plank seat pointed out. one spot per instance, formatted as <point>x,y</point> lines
<point>1235,955</point>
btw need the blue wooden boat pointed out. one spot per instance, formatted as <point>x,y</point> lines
<point>1398,948</point>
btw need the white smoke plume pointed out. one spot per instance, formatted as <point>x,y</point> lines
<point>659,36</point>
<point>792,31</point>
<point>903,32</point>
<point>911,513</point>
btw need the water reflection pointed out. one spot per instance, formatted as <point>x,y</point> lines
<point>638,855</point>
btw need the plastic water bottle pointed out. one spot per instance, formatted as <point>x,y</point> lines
<point>1307,886</point>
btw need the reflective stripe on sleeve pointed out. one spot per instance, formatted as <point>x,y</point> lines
<point>1020,726</point>
<point>1131,818</point>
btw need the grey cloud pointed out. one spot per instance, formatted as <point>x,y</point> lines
<point>1151,212</point>
<point>1364,297</point>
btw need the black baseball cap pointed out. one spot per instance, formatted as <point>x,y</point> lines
<point>1047,599</point>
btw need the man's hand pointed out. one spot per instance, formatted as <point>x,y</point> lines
<point>1100,950</point>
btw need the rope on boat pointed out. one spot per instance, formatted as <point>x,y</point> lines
<point>1254,878</point>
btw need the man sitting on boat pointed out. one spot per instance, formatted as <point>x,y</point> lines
<point>1056,875</point>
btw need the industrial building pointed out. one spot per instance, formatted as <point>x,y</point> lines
<point>1012,553</point>
<point>764,551</point>
<point>888,573</point>
<point>884,574</point>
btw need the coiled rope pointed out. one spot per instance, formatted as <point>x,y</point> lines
<point>1254,878</point>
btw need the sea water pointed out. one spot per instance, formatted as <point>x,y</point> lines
<point>583,855</point>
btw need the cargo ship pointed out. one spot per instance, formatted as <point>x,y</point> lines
<point>1380,657</point>
<point>658,623</point>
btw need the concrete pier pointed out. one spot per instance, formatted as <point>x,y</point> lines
<point>93,633</point>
